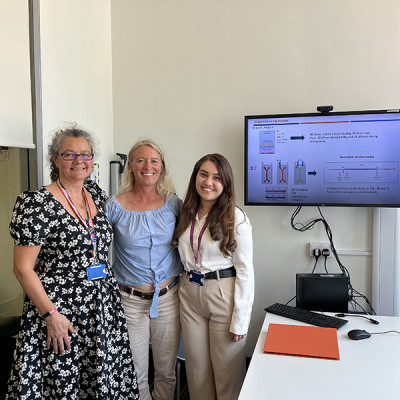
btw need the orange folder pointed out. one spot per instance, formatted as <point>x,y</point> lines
<point>307,341</point>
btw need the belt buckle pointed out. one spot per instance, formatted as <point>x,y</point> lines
<point>172,284</point>
<point>147,295</point>
<point>196,277</point>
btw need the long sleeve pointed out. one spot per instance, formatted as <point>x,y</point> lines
<point>244,284</point>
<point>211,259</point>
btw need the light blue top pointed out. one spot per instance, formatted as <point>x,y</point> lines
<point>142,245</point>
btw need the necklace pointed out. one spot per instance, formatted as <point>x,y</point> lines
<point>89,224</point>
<point>82,204</point>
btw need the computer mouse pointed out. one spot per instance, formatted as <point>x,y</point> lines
<point>358,334</point>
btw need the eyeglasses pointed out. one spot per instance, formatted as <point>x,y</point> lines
<point>72,156</point>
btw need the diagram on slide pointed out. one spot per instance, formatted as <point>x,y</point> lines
<point>266,174</point>
<point>275,194</point>
<point>267,142</point>
<point>363,172</point>
<point>282,174</point>
<point>300,173</point>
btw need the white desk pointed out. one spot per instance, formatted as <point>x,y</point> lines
<point>368,369</point>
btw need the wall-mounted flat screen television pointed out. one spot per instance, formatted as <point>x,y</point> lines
<point>331,158</point>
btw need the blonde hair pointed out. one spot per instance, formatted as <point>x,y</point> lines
<point>164,186</point>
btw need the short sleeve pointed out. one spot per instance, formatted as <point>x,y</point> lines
<point>98,194</point>
<point>176,205</point>
<point>109,209</point>
<point>30,222</point>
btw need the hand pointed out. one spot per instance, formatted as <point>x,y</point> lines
<point>58,327</point>
<point>236,338</point>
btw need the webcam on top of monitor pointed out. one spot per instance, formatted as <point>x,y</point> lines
<point>324,108</point>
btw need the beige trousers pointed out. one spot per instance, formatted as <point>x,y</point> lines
<point>215,366</point>
<point>163,333</point>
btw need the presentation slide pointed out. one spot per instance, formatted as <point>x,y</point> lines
<point>324,159</point>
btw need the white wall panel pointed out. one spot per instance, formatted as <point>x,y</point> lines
<point>77,73</point>
<point>15,86</point>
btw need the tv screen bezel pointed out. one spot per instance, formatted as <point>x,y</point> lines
<point>309,114</point>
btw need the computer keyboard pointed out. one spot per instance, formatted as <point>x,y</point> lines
<point>310,317</point>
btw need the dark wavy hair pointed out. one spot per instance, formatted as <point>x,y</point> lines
<point>221,215</point>
<point>57,140</point>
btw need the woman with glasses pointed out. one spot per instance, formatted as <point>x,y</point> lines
<point>73,341</point>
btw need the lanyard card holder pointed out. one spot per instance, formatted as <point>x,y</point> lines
<point>196,277</point>
<point>96,271</point>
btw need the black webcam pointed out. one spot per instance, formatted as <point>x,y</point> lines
<point>324,108</point>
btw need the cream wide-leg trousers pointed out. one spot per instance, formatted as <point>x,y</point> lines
<point>163,333</point>
<point>215,366</point>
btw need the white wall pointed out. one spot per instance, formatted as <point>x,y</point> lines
<point>76,72</point>
<point>185,74</point>
<point>15,93</point>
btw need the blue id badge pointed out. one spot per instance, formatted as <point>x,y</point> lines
<point>96,271</point>
<point>196,277</point>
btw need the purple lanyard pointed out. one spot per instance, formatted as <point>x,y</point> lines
<point>90,226</point>
<point>196,253</point>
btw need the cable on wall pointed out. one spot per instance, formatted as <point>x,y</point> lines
<point>354,295</point>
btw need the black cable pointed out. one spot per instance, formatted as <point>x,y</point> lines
<point>317,253</point>
<point>341,315</point>
<point>326,269</point>
<point>290,300</point>
<point>297,226</point>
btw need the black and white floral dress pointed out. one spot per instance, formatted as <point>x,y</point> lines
<point>99,364</point>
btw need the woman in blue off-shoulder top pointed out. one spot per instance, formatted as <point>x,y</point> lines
<point>146,266</point>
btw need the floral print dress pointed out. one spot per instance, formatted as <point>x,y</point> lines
<point>99,364</point>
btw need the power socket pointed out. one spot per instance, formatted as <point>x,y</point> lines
<point>321,246</point>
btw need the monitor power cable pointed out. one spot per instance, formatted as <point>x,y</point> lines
<point>354,295</point>
<point>317,254</point>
